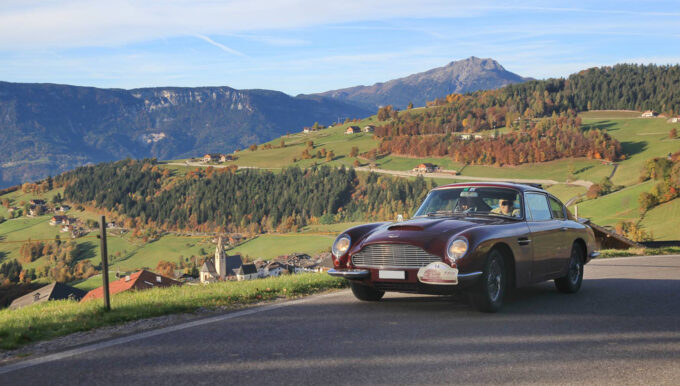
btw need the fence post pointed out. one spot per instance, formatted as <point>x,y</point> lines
<point>105,263</point>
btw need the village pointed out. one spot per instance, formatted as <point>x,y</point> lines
<point>221,267</point>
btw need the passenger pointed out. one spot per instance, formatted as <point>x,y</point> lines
<point>506,208</point>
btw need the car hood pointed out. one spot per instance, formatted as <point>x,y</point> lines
<point>427,233</point>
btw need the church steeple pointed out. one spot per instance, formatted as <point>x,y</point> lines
<point>220,259</point>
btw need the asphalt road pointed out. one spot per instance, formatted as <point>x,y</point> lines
<point>622,327</point>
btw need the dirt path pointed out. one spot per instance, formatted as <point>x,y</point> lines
<point>585,184</point>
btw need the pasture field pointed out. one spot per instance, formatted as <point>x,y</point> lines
<point>622,205</point>
<point>272,245</point>
<point>664,221</point>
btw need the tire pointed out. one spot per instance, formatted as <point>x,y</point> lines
<point>366,293</point>
<point>571,282</point>
<point>488,293</point>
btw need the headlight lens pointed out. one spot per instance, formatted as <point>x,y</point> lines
<point>457,248</point>
<point>341,245</point>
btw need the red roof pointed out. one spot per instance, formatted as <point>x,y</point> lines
<point>138,281</point>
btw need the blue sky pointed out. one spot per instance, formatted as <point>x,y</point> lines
<point>302,46</point>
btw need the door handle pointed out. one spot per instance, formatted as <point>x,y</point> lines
<point>523,241</point>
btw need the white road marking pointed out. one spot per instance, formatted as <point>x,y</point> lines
<point>148,334</point>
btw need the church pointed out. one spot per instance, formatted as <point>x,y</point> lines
<point>221,266</point>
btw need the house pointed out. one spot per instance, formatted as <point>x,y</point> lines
<point>64,208</point>
<point>226,157</point>
<point>425,168</point>
<point>353,130</point>
<point>139,280</point>
<point>308,130</point>
<point>211,157</point>
<point>478,136</point>
<point>273,269</point>
<point>38,202</point>
<point>465,137</point>
<point>221,267</point>
<point>55,220</point>
<point>369,129</point>
<point>261,265</point>
<point>65,228</point>
<point>649,114</point>
<point>54,291</point>
<point>674,120</point>
<point>246,272</point>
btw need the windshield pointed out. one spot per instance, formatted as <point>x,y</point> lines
<point>472,200</point>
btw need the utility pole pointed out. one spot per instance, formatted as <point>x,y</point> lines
<point>105,263</point>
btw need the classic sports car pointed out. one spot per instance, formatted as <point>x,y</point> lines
<point>480,238</point>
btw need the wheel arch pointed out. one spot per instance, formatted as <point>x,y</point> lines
<point>509,261</point>
<point>580,243</point>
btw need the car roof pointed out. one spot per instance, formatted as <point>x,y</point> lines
<point>496,184</point>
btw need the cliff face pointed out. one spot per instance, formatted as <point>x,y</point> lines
<point>47,128</point>
<point>461,76</point>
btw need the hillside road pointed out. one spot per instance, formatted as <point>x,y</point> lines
<point>622,327</point>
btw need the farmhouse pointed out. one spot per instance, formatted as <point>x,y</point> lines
<point>465,137</point>
<point>140,280</point>
<point>425,168</point>
<point>353,130</point>
<point>246,272</point>
<point>54,291</point>
<point>211,157</point>
<point>369,129</point>
<point>649,114</point>
<point>55,220</point>
<point>226,157</point>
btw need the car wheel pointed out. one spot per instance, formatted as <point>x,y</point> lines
<point>571,282</point>
<point>366,293</point>
<point>488,294</point>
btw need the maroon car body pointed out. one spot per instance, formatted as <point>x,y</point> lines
<point>502,252</point>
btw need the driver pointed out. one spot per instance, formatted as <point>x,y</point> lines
<point>506,207</point>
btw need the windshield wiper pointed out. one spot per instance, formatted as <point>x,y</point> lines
<point>494,215</point>
<point>445,213</point>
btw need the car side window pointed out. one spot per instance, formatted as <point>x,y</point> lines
<point>537,207</point>
<point>556,209</point>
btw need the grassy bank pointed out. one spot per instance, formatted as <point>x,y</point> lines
<point>58,318</point>
<point>639,252</point>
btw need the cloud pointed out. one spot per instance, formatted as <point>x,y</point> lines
<point>220,46</point>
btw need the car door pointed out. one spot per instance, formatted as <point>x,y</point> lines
<point>566,235</point>
<point>544,235</point>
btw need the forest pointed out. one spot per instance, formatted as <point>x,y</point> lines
<point>248,200</point>
<point>541,140</point>
<point>522,106</point>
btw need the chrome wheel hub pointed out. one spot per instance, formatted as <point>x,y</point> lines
<point>494,281</point>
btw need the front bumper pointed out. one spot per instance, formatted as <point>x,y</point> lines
<point>370,277</point>
<point>350,273</point>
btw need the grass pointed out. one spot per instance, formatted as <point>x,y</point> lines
<point>57,318</point>
<point>605,253</point>
<point>641,140</point>
<point>664,221</point>
<point>619,206</point>
<point>566,192</point>
<point>270,246</point>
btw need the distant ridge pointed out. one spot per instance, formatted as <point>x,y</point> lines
<point>460,76</point>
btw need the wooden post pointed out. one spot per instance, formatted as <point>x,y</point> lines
<point>105,263</point>
<point>576,211</point>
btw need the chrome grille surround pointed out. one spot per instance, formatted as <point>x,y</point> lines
<point>393,256</point>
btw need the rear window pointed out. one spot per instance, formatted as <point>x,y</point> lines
<point>556,209</point>
<point>537,207</point>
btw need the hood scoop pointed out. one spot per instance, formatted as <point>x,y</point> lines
<point>405,228</point>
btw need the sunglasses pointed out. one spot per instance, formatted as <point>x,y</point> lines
<point>506,203</point>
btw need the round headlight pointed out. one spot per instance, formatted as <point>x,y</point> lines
<point>457,248</point>
<point>341,245</point>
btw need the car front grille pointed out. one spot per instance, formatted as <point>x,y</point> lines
<point>393,256</point>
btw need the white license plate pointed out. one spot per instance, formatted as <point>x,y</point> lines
<point>383,274</point>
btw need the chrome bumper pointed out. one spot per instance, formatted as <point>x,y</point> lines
<point>594,254</point>
<point>350,273</point>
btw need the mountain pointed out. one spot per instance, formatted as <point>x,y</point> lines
<point>48,128</point>
<point>460,76</point>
